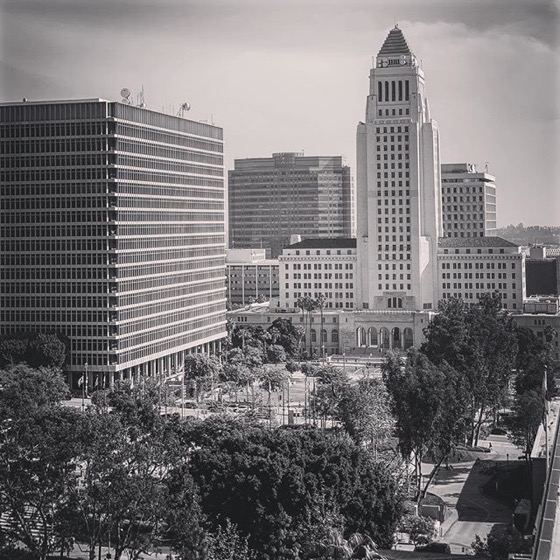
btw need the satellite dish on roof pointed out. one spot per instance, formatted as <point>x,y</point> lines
<point>184,107</point>
<point>125,94</point>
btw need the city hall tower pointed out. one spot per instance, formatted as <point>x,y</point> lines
<point>398,186</point>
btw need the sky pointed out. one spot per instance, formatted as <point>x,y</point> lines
<point>292,75</point>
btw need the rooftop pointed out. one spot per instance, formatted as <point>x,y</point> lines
<point>331,243</point>
<point>456,242</point>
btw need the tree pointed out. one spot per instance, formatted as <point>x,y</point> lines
<point>227,544</point>
<point>307,305</point>
<point>38,451</point>
<point>37,349</point>
<point>320,303</point>
<point>286,335</point>
<point>275,354</point>
<point>365,412</point>
<point>26,390</point>
<point>480,344</point>
<point>427,405</point>
<point>272,378</point>
<point>202,371</point>
<point>126,482</point>
<point>420,529</point>
<point>265,481</point>
<point>535,358</point>
<point>528,414</point>
<point>184,531</point>
<point>47,349</point>
<point>501,541</point>
<point>332,386</point>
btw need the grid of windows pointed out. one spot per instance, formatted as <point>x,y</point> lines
<point>112,229</point>
<point>468,201</point>
<point>272,198</point>
<point>393,207</point>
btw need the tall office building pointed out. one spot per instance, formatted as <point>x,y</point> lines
<point>112,232</point>
<point>468,201</point>
<point>272,198</point>
<point>398,186</point>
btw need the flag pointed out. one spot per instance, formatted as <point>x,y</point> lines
<point>81,381</point>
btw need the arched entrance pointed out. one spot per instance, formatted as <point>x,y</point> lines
<point>384,339</point>
<point>408,338</point>
<point>372,337</point>
<point>360,337</point>
<point>396,338</point>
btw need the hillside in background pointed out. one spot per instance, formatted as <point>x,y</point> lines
<point>530,235</point>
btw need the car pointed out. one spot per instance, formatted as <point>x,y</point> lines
<point>498,432</point>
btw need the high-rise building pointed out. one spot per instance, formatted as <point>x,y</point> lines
<point>468,201</point>
<point>112,232</point>
<point>398,186</point>
<point>272,198</point>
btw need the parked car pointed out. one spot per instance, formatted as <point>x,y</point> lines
<point>498,432</point>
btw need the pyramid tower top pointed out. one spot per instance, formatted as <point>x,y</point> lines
<point>395,44</point>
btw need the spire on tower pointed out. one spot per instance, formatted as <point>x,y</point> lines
<point>395,44</point>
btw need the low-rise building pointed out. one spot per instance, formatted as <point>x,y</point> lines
<point>250,276</point>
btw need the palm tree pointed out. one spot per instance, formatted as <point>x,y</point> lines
<point>320,301</point>
<point>308,304</point>
<point>336,547</point>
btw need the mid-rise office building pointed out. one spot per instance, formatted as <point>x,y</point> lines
<point>271,199</point>
<point>470,267</point>
<point>468,201</point>
<point>112,232</point>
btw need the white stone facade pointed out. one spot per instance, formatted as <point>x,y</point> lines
<point>398,186</point>
<point>319,266</point>
<point>471,267</point>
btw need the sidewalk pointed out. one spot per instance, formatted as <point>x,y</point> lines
<point>460,487</point>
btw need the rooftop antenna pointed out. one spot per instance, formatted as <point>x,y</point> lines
<point>140,101</point>
<point>183,109</point>
<point>486,164</point>
<point>125,94</point>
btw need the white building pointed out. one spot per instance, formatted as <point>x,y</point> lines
<point>468,201</point>
<point>469,267</point>
<point>319,266</point>
<point>398,186</point>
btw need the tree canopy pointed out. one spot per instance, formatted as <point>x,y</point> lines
<point>479,342</point>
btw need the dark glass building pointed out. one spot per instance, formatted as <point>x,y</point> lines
<point>271,199</point>
<point>112,232</point>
